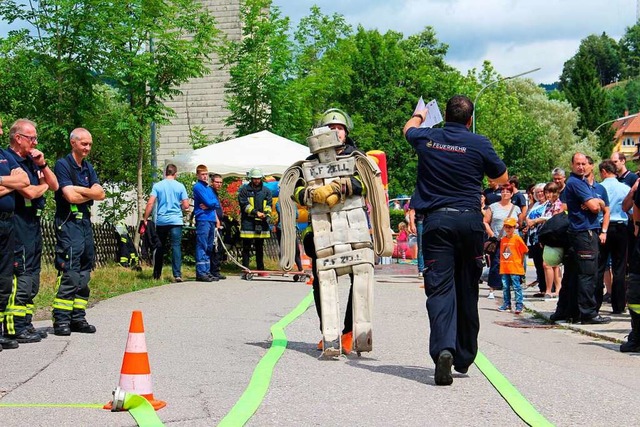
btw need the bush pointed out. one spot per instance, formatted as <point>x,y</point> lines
<point>396,216</point>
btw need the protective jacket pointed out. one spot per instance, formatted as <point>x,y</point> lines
<point>253,200</point>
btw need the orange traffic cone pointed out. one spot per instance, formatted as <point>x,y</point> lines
<point>135,374</point>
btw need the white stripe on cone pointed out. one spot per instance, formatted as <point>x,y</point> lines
<point>138,384</point>
<point>136,343</point>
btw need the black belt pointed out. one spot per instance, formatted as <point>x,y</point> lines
<point>5,215</point>
<point>447,210</point>
<point>618,223</point>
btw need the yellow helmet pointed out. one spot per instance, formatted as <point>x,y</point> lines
<point>336,116</point>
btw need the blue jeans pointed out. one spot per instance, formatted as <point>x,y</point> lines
<point>509,281</point>
<point>419,229</point>
<point>166,232</point>
<point>204,246</point>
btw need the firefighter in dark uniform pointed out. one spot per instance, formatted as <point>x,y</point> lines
<point>218,249</point>
<point>12,177</point>
<point>633,286</point>
<point>255,213</point>
<point>451,165</point>
<point>23,139</point>
<point>75,252</point>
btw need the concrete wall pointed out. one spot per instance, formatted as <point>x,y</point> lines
<point>202,101</point>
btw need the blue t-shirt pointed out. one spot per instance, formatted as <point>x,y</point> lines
<point>451,164</point>
<point>69,173</point>
<point>577,192</point>
<point>7,164</point>
<point>601,193</point>
<point>169,194</point>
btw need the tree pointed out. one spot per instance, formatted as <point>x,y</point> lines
<point>604,54</point>
<point>152,47</point>
<point>258,67</point>
<point>584,92</point>
<point>630,52</point>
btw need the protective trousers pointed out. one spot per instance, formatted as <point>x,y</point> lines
<point>616,247</point>
<point>585,263</point>
<point>310,248</point>
<point>75,255</point>
<point>6,263</point>
<point>205,238</point>
<point>452,249</point>
<point>26,268</point>
<point>258,245</point>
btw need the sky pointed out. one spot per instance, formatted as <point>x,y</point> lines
<point>515,35</point>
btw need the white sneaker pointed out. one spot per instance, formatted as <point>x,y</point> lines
<point>491,296</point>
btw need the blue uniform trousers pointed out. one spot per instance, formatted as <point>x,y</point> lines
<point>75,257</point>
<point>452,249</point>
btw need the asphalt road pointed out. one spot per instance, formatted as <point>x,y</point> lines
<point>206,339</point>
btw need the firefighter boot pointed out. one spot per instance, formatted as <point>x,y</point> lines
<point>19,331</point>
<point>632,345</point>
<point>6,343</point>
<point>32,330</point>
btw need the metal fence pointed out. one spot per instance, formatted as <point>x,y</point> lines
<point>106,243</point>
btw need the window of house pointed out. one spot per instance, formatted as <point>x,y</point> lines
<point>628,142</point>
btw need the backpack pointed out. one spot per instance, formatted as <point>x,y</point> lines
<point>554,231</point>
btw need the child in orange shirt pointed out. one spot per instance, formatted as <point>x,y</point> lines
<point>512,251</point>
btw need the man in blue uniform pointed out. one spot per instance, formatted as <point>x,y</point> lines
<point>451,165</point>
<point>12,177</point>
<point>23,140</point>
<point>75,250</point>
<point>577,295</point>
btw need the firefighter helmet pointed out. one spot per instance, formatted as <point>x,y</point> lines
<point>255,173</point>
<point>336,116</point>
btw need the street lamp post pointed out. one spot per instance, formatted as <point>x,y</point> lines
<point>473,116</point>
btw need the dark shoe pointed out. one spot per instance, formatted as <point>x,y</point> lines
<point>83,327</point>
<point>178,279</point>
<point>557,317</point>
<point>32,330</point>
<point>538,295</point>
<point>606,298</point>
<point>214,278</point>
<point>61,329</point>
<point>204,279</point>
<point>25,337</point>
<point>7,343</point>
<point>443,368</point>
<point>598,320</point>
<point>632,345</point>
<point>461,369</point>
<point>220,276</point>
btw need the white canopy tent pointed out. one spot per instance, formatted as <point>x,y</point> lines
<point>267,151</point>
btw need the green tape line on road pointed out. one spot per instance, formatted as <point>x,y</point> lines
<point>252,397</point>
<point>51,405</point>
<point>518,403</point>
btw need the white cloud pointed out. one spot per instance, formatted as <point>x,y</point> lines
<point>515,35</point>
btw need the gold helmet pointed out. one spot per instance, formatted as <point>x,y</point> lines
<point>336,116</point>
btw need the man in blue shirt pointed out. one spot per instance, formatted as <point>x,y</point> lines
<point>12,177</point>
<point>172,199</point>
<point>205,204</point>
<point>75,249</point>
<point>616,241</point>
<point>23,139</point>
<point>451,165</point>
<point>583,207</point>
